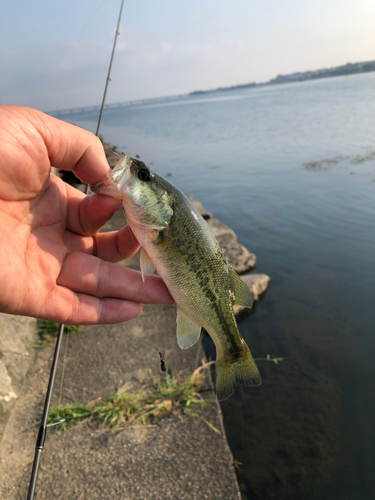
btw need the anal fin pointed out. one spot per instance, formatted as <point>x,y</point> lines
<point>188,332</point>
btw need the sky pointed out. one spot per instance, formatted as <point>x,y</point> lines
<point>54,54</point>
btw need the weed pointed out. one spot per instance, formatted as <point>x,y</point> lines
<point>268,358</point>
<point>48,330</point>
<point>159,397</point>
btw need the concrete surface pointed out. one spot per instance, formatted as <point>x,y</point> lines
<point>181,459</point>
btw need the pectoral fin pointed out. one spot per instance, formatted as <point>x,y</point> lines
<point>147,266</point>
<point>242,293</point>
<point>188,332</point>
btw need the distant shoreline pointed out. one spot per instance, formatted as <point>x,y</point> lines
<point>347,69</point>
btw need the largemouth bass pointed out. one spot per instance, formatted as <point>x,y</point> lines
<point>177,242</point>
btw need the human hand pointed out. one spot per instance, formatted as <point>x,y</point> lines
<point>54,264</point>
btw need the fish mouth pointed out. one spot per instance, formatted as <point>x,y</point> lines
<point>115,180</point>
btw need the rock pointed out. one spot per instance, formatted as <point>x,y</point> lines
<point>258,284</point>
<point>236,254</point>
<point>238,257</point>
<point>224,234</point>
<point>198,205</point>
<point>6,388</point>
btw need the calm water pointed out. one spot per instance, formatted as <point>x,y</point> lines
<point>309,430</point>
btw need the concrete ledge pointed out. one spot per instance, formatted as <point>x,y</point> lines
<point>16,355</point>
<point>181,459</point>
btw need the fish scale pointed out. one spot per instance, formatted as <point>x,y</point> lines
<point>178,243</point>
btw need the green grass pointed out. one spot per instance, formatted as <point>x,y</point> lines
<point>159,397</point>
<point>48,330</point>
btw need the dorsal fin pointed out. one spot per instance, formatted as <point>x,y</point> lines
<point>242,293</point>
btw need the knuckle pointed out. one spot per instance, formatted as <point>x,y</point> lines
<point>103,278</point>
<point>102,311</point>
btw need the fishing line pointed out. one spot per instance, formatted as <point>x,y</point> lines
<point>163,366</point>
<point>111,151</point>
<point>77,36</point>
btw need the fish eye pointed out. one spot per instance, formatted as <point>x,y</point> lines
<point>144,175</point>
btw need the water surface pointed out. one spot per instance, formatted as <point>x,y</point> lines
<point>291,168</point>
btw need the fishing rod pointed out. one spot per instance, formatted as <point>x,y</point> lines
<point>43,426</point>
<point>109,73</point>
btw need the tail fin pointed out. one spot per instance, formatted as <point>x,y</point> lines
<point>230,373</point>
